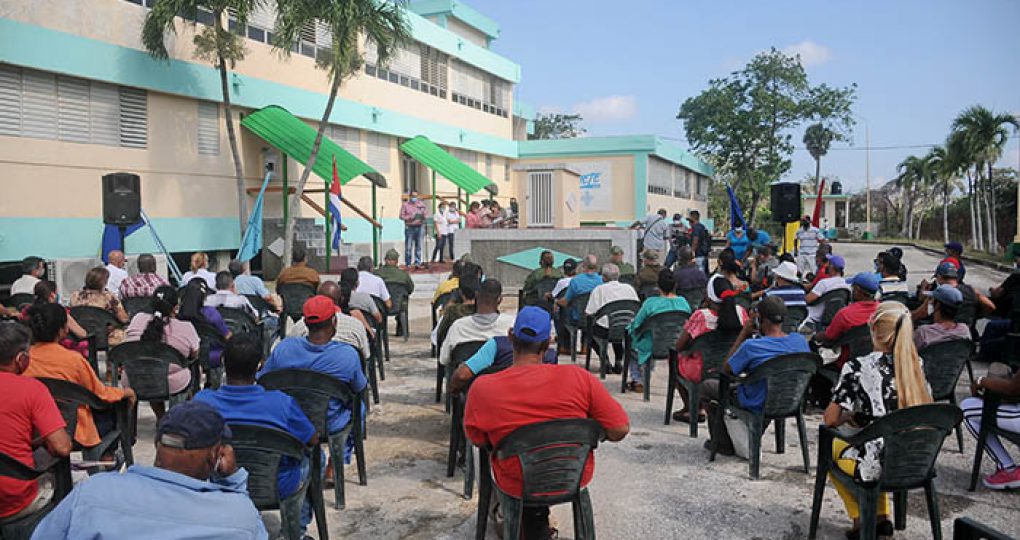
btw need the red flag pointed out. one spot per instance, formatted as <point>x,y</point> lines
<point>818,204</point>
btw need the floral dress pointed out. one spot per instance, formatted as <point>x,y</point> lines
<point>867,388</point>
<point>103,300</point>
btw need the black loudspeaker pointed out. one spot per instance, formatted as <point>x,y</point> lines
<point>786,202</point>
<point>122,199</point>
<point>837,188</point>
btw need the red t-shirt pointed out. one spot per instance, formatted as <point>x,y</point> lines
<point>855,314</point>
<point>521,395</point>
<point>26,411</point>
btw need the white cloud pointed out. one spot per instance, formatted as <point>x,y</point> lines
<point>607,109</point>
<point>811,53</point>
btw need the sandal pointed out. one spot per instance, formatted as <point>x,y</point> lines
<point>635,386</point>
<point>685,417</point>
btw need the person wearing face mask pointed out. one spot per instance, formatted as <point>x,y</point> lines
<point>413,214</point>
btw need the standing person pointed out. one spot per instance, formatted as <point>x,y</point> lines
<point>546,269</point>
<point>701,241</point>
<point>678,237</point>
<point>452,225</point>
<point>472,215</point>
<point>413,214</point>
<point>738,242</point>
<point>200,268</point>
<point>145,282</point>
<point>529,392</point>
<point>656,236</point>
<point>32,270</point>
<point>808,240</point>
<point>627,271</point>
<point>117,272</point>
<point>442,230</point>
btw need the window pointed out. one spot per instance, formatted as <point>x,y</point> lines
<point>208,128</point>
<point>480,90</point>
<point>660,176</point>
<point>46,106</point>
<point>348,138</point>
<point>467,156</point>
<point>414,65</point>
<point>261,23</point>
<point>378,152</point>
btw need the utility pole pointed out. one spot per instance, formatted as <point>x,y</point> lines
<point>867,175</point>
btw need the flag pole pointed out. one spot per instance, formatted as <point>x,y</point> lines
<point>329,242</point>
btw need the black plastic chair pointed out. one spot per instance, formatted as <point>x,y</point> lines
<point>401,298</point>
<point>458,442</point>
<point>543,287</point>
<point>577,305</point>
<point>786,378</point>
<point>382,334</point>
<point>460,353</point>
<point>147,364</point>
<point>313,392</point>
<point>968,529</point>
<point>137,304</point>
<point>460,438</point>
<point>436,306</point>
<point>20,300</point>
<point>97,322</point>
<point>619,314</point>
<point>795,315</point>
<point>69,396</point>
<point>989,426</point>
<point>258,449</point>
<point>22,528</point>
<point>649,290</point>
<point>368,367</point>
<point>858,341</point>
<point>553,456</point>
<point>294,296</point>
<point>913,438</point>
<point>259,304</point>
<point>833,301</point>
<point>208,336</point>
<point>943,364</point>
<point>665,328</point>
<point>695,297</point>
<point>713,347</point>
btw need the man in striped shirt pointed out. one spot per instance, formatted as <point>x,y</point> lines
<point>891,287</point>
<point>808,239</point>
<point>787,285</point>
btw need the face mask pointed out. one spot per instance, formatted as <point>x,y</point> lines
<point>414,199</point>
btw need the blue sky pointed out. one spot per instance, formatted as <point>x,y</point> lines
<point>627,66</point>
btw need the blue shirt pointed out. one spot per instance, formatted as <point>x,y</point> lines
<point>738,244</point>
<point>156,504</point>
<point>792,295</point>
<point>338,360</point>
<point>253,285</point>
<point>255,405</point>
<point>499,352</point>
<point>583,283</point>
<point>755,352</point>
<point>763,239</point>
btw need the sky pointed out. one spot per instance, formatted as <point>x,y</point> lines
<point>627,66</point>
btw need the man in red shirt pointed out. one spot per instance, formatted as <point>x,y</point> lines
<point>529,392</point>
<point>26,409</point>
<point>863,305</point>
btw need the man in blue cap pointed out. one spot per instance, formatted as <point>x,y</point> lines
<point>529,392</point>
<point>194,490</point>
<point>815,308</point>
<point>862,305</point>
<point>945,301</point>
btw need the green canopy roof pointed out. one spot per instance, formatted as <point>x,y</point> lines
<point>528,259</point>
<point>455,170</point>
<point>293,137</point>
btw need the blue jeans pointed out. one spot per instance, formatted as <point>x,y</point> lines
<point>412,235</point>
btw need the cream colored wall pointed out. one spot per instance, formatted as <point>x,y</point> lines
<point>674,205</point>
<point>623,184</point>
<point>567,186</point>
<point>120,22</point>
<point>468,33</point>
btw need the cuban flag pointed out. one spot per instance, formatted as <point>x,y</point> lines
<point>334,205</point>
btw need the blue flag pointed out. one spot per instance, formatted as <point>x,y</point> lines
<point>736,215</point>
<point>111,238</point>
<point>252,241</point>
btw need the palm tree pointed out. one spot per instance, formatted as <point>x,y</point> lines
<point>381,22</point>
<point>986,134</point>
<point>818,139</point>
<point>911,175</point>
<point>214,44</point>
<point>944,166</point>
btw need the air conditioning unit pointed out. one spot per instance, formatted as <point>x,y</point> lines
<point>69,274</point>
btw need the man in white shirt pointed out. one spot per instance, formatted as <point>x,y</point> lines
<point>32,269</point>
<point>611,290</point>
<point>837,281</point>
<point>452,225</point>
<point>657,232</point>
<point>808,239</point>
<point>117,272</point>
<point>487,322</point>
<point>226,295</point>
<point>371,283</point>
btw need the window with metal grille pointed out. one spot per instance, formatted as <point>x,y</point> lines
<point>348,138</point>
<point>480,90</point>
<point>540,199</point>
<point>488,166</point>
<point>134,117</point>
<point>208,128</point>
<point>413,65</point>
<point>378,156</point>
<point>660,176</point>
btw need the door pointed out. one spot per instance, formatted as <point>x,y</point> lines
<point>540,199</point>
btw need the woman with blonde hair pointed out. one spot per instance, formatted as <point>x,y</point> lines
<point>869,387</point>
<point>199,269</point>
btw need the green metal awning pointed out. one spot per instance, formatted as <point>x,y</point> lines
<point>293,137</point>
<point>455,170</point>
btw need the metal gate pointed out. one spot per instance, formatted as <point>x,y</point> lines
<point>540,199</point>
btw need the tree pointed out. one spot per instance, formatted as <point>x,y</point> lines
<point>818,139</point>
<point>383,25</point>
<point>742,123</point>
<point>557,126</point>
<point>943,167</point>
<point>213,44</point>
<point>910,178</point>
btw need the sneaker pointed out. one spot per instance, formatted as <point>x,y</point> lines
<point>1003,479</point>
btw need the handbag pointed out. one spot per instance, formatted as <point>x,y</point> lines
<point>690,366</point>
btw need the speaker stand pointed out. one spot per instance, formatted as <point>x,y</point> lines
<point>123,235</point>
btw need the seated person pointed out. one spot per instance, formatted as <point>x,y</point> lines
<point>48,323</point>
<point>560,312</point>
<point>609,291</point>
<point>298,271</point>
<point>529,392</point>
<point>773,342</point>
<point>246,284</point>
<point>835,281</point>
<point>241,401</point>
<point>451,283</point>
<point>730,268</point>
<point>349,330</point>
<point>946,300</point>
<point>46,293</point>
<point>194,490</point>
<point>869,388</point>
<point>226,295</point>
<point>360,300</point>
<point>497,353</point>
<point>193,309</point>
<point>391,274</point>
<point>487,321</point>
<point>998,380</point>
<point>545,270</point>
<point>721,312</point>
<point>648,275</point>
<point>30,418</point>
<point>898,253</point>
<point>641,339</point>
<point>144,283</point>
<point>890,286</point>
<point>786,286</point>
<point>993,339</point>
<point>200,269</point>
<point>762,265</point>
<point>95,294</point>
<point>954,254</point>
<point>371,283</point>
<point>974,303</point>
<point>32,270</point>
<point>862,305</point>
<point>581,284</point>
<point>466,293</point>
<point>688,275</point>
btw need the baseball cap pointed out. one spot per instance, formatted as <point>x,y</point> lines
<point>948,270</point>
<point>192,425</point>
<point>772,308</point>
<point>616,250</point>
<point>392,255</point>
<point>946,294</point>
<point>806,218</point>
<point>319,308</point>
<point>786,270</point>
<point>570,264</point>
<point>955,246</point>
<point>532,325</point>
<point>865,280</point>
<point>837,261</point>
<point>650,255</point>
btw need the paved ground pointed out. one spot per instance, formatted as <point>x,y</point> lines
<point>657,483</point>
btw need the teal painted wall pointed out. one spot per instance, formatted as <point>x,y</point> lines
<point>34,47</point>
<point>464,12</point>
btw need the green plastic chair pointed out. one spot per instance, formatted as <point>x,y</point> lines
<point>22,528</point>
<point>943,365</point>
<point>665,328</point>
<point>968,529</point>
<point>96,322</point>
<point>913,438</point>
<point>294,296</point>
<point>620,313</point>
<point>786,378</point>
<point>989,425</point>
<point>69,396</point>
<point>713,347</point>
<point>400,297</point>
<point>577,304</point>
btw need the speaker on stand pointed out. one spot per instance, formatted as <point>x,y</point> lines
<point>122,201</point>
<point>785,206</point>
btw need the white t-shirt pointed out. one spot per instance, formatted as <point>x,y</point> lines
<point>209,277</point>
<point>24,284</point>
<point>440,219</point>
<point>373,285</point>
<point>474,328</point>
<point>610,291</point>
<point>657,230</point>
<point>229,299</point>
<point>452,221</point>
<point>561,285</point>
<point>117,275</point>
<point>808,240</point>
<point>816,311</point>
